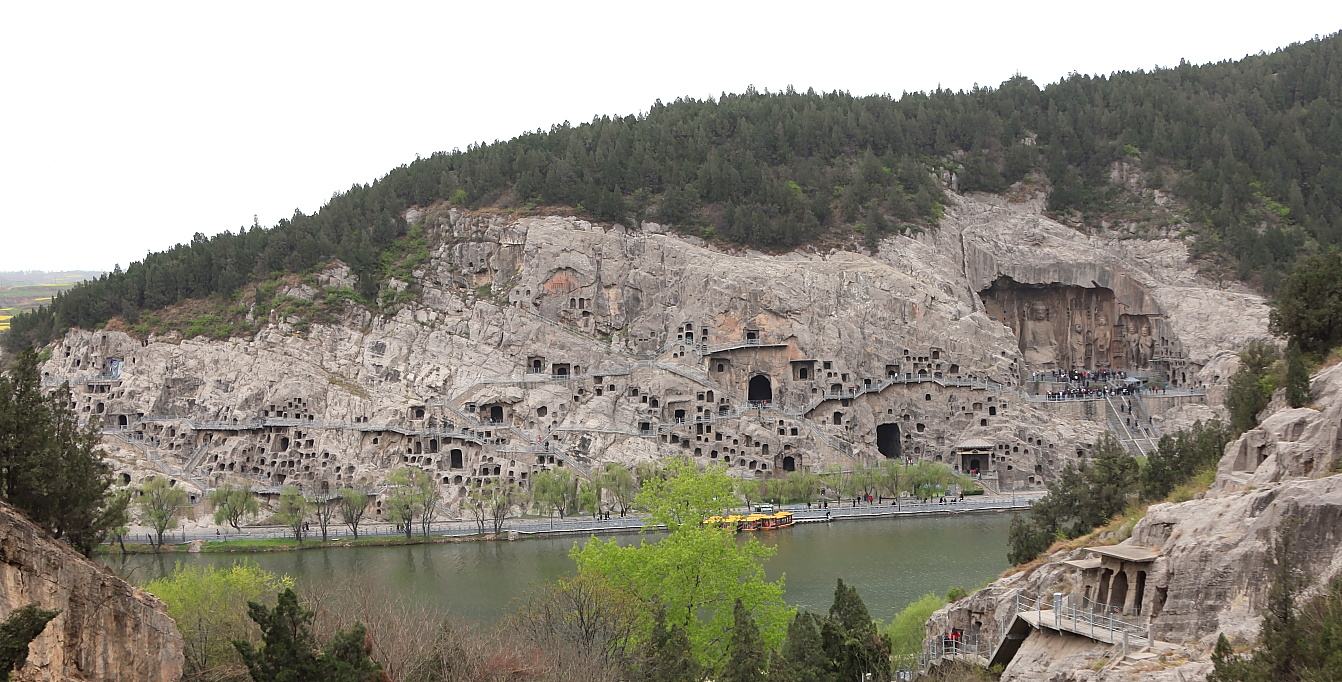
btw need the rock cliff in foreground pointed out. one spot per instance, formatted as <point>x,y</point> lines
<point>107,630</point>
<point>1189,572</point>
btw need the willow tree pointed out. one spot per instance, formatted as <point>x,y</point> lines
<point>696,572</point>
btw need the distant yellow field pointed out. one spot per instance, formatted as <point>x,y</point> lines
<point>21,292</point>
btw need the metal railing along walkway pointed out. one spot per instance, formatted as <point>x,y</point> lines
<point>1120,427</point>
<point>1082,617</point>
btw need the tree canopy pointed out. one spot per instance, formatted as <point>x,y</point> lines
<point>1252,147</point>
<point>697,574</point>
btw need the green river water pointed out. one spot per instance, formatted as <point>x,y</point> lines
<point>890,561</point>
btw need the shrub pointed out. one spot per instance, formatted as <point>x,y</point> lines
<point>209,605</point>
<point>906,629</point>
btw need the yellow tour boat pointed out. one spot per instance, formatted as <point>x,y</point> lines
<point>752,522</point>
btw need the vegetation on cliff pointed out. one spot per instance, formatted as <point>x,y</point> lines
<point>1112,483</point>
<point>1300,640</point>
<point>21,627</point>
<point>1080,499</point>
<point>1309,306</point>
<point>1252,147</point>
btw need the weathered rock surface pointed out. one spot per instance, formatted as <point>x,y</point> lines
<point>106,630</point>
<point>540,342</point>
<point>1213,557</point>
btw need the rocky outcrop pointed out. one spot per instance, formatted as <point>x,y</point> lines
<point>107,630</point>
<point>535,342</point>
<point>1213,557</point>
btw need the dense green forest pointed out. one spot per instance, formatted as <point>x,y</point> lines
<point>1252,148</point>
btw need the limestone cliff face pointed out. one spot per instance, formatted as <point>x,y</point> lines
<point>539,342</point>
<point>1212,556</point>
<point>106,630</point>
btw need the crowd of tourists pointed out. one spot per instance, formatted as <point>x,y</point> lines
<point>1086,392</point>
<point>1071,376</point>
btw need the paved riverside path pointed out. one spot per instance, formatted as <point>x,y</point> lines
<point>586,525</point>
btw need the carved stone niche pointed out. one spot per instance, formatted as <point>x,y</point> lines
<point>1064,326</point>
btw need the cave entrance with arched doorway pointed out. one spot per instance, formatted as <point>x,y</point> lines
<point>789,463</point>
<point>760,390</point>
<point>496,414</point>
<point>1118,593</point>
<point>887,441</point>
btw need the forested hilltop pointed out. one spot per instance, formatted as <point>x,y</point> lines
<point>1252,148</point>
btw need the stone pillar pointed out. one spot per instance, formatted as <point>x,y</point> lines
<point>1130,599</point>
<point>1102,585</point>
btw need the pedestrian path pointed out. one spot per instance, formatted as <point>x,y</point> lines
<point>532,526</point>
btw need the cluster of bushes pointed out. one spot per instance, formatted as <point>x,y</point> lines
<point>1179,457</point>
<point>1263,368</point>
<point>1082,498</point>
<point>1087,496</point>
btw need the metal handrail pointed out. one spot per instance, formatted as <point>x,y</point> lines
<point>1090,613</point>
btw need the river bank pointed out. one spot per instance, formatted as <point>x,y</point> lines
<point>278,539</point>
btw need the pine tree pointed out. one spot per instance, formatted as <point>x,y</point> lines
<point>668,656</point>
<point>49,467</point>
<point>851,640</point>
<point>290,651</point>
<point>1111,478</point>
<point>1228,667</point>
<point>803,656</point>
<point>1281,631</point>
<point>1297,377</point>
<point>746,655</point>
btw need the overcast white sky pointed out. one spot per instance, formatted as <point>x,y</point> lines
<point>127,128</point>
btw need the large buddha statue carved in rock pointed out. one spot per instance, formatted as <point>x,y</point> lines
<point>1132,338</point>
<point>1103,336</point>
<point>1076,345</point>
<point>1036,338</point>
<point>1147,346</point>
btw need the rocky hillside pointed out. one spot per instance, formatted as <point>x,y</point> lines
<point>522,343</point>
<point>106,630</point>
<point>1190,570</point>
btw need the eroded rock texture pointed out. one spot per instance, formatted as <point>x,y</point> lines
<point>1213,557</point>
<point>106,630</point>
<point>541,342</point>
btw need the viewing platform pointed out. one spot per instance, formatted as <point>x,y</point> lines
<point>1062,613</point>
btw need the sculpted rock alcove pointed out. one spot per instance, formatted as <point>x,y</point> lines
<point>1065,326</point>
